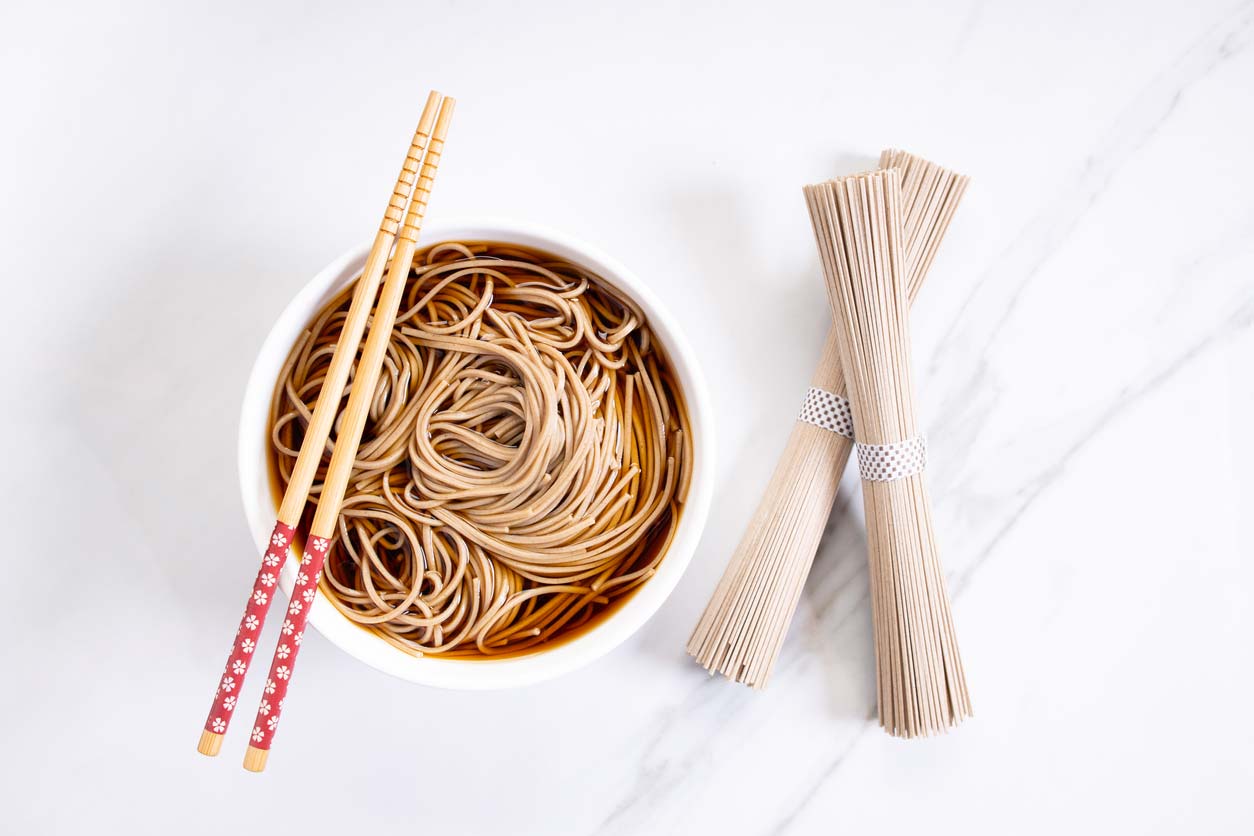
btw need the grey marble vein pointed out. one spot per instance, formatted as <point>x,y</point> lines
<point>1002,284</point>
<point>991,305</point>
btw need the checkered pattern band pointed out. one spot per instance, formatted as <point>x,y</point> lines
<point>827,410</point>
<point>889,462</point>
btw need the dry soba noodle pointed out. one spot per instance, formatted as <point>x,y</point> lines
<point>524,462</point>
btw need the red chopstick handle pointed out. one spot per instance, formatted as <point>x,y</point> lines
<point>293,632</point>
<point>264,589</point>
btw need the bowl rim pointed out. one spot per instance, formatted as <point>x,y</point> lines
<point>260,508</point>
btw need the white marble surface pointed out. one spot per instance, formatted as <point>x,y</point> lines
<point>174,172</point>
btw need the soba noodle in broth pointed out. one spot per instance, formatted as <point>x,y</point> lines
<point>525,461</point>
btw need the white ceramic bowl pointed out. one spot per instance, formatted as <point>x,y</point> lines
<point>485,674</point>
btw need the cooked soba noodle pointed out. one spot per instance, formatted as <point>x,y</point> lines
<point>524,463</point>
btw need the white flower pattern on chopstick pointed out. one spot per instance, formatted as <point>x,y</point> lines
<point>320,544</point>
<point>296,639</point>
<point>309,595</point>
<point>237,666</point>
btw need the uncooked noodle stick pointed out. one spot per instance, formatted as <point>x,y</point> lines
<point>858,226</point>
<point>743,627</point>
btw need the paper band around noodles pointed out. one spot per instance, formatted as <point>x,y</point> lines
<point>889,462</point>
<point>827,410</point>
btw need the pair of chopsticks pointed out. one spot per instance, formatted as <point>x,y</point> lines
<point>416,178</point>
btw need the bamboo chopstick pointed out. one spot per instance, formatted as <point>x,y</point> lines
<point>314,443</point>
<point>345,453</point>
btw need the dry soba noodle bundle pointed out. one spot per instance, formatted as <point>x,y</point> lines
<point>525,460</point>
